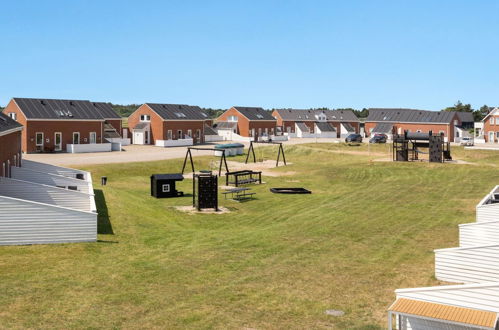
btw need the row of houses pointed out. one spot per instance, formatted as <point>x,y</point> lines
<point>473,301</point>
<point>41,203</point>
<point>71,125</point>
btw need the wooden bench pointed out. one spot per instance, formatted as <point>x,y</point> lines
<point>243,177</point>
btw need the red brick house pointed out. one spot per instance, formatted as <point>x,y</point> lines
<point>317,122</point>
<point>395,121</point>
<point>491,126</point>
<point>248,121</point>
<point>10,144</point>
<point>168,124</point>
<point>50,124</point>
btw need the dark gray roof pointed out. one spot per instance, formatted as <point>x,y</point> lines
<point>7,123</point>
<point>348,127</point>
<point>209,130</point>
<point>383,128</point>
<point>172,176</point>
<point>301,125</point>
<point>325,127</point>
<point>178,111</point>
<point>254,113</point>
<point>312,115</point>
<point>226,125</point>
<point>409,115</point>
<point>466,117</point>
<point>106,110</point>
<point>61,109</point>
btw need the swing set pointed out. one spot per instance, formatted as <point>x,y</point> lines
<point>188,154</point>
<point>251,150</point>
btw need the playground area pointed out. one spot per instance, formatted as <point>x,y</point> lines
<point>277,261</point>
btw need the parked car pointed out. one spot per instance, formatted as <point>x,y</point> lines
<point>378,138</point>
<point>353,138</point>
<point>466,141</point>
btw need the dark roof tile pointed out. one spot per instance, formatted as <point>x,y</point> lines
<point>255,113</point>
<point>178,111</point>
<point>7,123</point>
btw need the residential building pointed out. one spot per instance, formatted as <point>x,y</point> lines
<point>247,122</point>
<point>10,144</point>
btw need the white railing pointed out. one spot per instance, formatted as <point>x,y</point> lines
<point>486,210</point>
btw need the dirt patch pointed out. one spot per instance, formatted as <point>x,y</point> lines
<point>192,210</point>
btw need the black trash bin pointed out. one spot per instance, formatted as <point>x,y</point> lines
<point>103,180</point>
<point>163,185</point>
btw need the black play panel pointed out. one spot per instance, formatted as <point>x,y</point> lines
<point>163,185</point>
<point>205,191</point>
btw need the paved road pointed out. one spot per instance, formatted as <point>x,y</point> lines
<point>136,153</point>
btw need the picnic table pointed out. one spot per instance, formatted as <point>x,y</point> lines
<point>239,194</point>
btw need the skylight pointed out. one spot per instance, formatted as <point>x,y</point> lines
<point>259,116</point>
<point>204,115</point>
<point>180,115</point>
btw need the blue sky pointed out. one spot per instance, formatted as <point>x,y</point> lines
<point>299,54</point>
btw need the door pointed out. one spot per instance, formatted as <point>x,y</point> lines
<point>76,137</point>
<point>138,137</point>
<point>146,137</point>
<point>198,136</point>
<point>39,141</point>
<point>491,137</point>
<point>58,141</point>
<point>93,138</point>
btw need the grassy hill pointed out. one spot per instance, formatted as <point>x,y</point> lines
<point>276,262</point>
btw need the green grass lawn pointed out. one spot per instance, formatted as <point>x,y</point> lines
<point>277,262</point>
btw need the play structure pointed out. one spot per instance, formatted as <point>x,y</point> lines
<point>251,151</point>
<point>205,191</point>
<point>290,191</point>
<point>238,178</point>
<point>163,185</point>
<point>408,147</point>
<point>223,159</point>
<point>239,194</point>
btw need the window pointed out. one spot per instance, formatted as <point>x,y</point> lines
<point>198,133</point>
<point>232,118</point>
<point>456,122</point>
<point>497,135</point>
<point>145,118</point>
<point>259,116</point>
<point>39,139</point>
<point>76,137</point>
<point>13,115</point>
<point>169,135</point>
<point>204,115</point>
<point>441,132</point>
<point>189,133</point>
<point>418,131</point>
<point>180,115</point>
<point>179,134</point>
<point>93,137</point>
<point>165,188</point>
<point>288,129</point>
<point>58,141</point>
<point>491,120</point>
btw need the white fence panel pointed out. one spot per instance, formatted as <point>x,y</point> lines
<point>174,143</point>
<point>47,168</point>
<point>25,174</point>
<point>90,147</point>
<point>25,222</point>
<point>479,233</point>
<point>46,194</point>
<point>468,265</point>
<point>122,141</point>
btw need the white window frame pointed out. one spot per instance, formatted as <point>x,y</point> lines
<point>90,137</point>
<point>73,140</point>
<point>36,139</point>
<point>233,119</point>
<point>189,133</point>
<point>145,118</point>
<point>169,135</point>
<point>56,148</point>
<point>491,120</point>
<point>167,186</point>
<point>13,115</point>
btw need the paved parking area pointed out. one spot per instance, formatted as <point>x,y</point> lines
<point>138,153</point>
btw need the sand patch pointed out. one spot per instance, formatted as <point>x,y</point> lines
<point>192,210</point>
